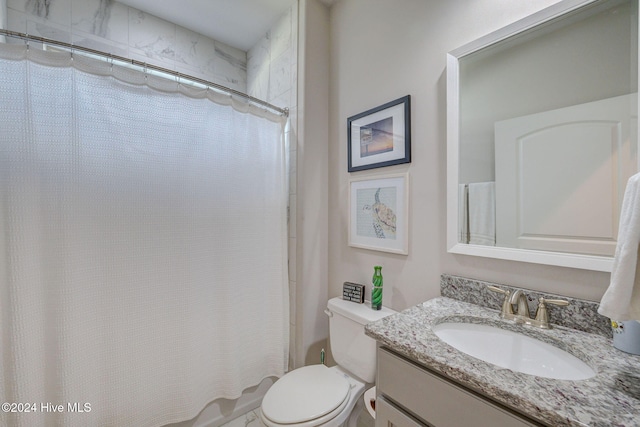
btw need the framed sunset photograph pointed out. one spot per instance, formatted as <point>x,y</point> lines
<point>381,136</point>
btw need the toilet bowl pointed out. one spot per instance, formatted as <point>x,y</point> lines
<point>317,395</point>
<point>311,396</point>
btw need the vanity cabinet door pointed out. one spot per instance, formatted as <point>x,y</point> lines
<point>435,400</point>
<point>388,415</point>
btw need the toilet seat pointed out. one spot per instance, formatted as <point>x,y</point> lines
<point>306,396</point>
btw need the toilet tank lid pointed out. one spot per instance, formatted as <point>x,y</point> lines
<point>361,313</point>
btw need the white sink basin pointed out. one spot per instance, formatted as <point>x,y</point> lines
<point>511,350</point>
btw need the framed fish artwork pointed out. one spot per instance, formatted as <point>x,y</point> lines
<point>380,136</point>
<point>378,213</point>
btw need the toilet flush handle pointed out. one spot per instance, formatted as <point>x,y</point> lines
<point>328,312</point>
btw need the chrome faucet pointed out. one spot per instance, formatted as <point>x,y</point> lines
<point>519,298</point>
<point>522,315</point>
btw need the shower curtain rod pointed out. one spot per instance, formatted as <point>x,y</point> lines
<point>145,66</point>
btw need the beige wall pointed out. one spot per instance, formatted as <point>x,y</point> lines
<point>380,51</point>
<point>311,271</point>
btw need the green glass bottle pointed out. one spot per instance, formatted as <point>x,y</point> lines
<point>376,288</point>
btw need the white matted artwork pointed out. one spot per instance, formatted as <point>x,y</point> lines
<point>378,213</point>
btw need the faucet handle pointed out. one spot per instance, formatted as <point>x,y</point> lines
<point>554,301</point>
<point>542,315</point>
<point>506,304</point>
<point>497,289</point>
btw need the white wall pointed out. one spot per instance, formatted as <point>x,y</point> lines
<point>381,51</point>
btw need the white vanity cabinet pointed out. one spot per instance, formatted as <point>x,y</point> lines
<point>409,395</point>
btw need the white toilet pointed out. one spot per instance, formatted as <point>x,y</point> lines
<point>317,395</point>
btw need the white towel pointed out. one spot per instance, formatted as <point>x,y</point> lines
<point>482,213</point>
<point>621,301</point>
<point>463,214</point>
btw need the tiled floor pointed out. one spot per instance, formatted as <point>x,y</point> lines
<point>366,420</point>
<point>252,419</point>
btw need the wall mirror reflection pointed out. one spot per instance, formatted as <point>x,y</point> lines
<point>543,135</point>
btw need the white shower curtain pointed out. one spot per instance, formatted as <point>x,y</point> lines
<point>143,244</point>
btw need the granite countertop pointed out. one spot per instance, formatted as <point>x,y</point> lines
<point>611,398</point>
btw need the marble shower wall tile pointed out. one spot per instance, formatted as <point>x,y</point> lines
<point>51,11</point>
<point>3,19</point>
<point>100,44</point>
<point>258,66</point>
<point>103,18</point>
<point>280,77</point>
<point>281,35</point>
<point>151,36</point>
<point>3,14</point>
<point>272,63</point>
<point>194,51</point>
<point>48,30</point>
<point>16,21</point>
<point>113,27</point>
<point>282,101</point>
<point>230,62</point>
<point>40,18</point>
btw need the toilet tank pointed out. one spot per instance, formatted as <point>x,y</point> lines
<point>351,348</point>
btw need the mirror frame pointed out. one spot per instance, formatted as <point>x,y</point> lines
<point>586,262</point>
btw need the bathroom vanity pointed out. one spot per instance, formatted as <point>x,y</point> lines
<point>424,381</point>
<point>409,392</point>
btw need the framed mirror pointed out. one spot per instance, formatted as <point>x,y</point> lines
<point>542,135</point>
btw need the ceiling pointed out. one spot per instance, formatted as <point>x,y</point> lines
<point>238,23</point>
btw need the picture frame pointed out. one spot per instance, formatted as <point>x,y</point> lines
<point>381,136</point>
<point>379,213</point>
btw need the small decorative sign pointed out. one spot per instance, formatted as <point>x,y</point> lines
<point>353,292</point>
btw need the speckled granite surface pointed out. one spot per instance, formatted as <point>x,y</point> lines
<point>611,398</point>
<point>579,314</point>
